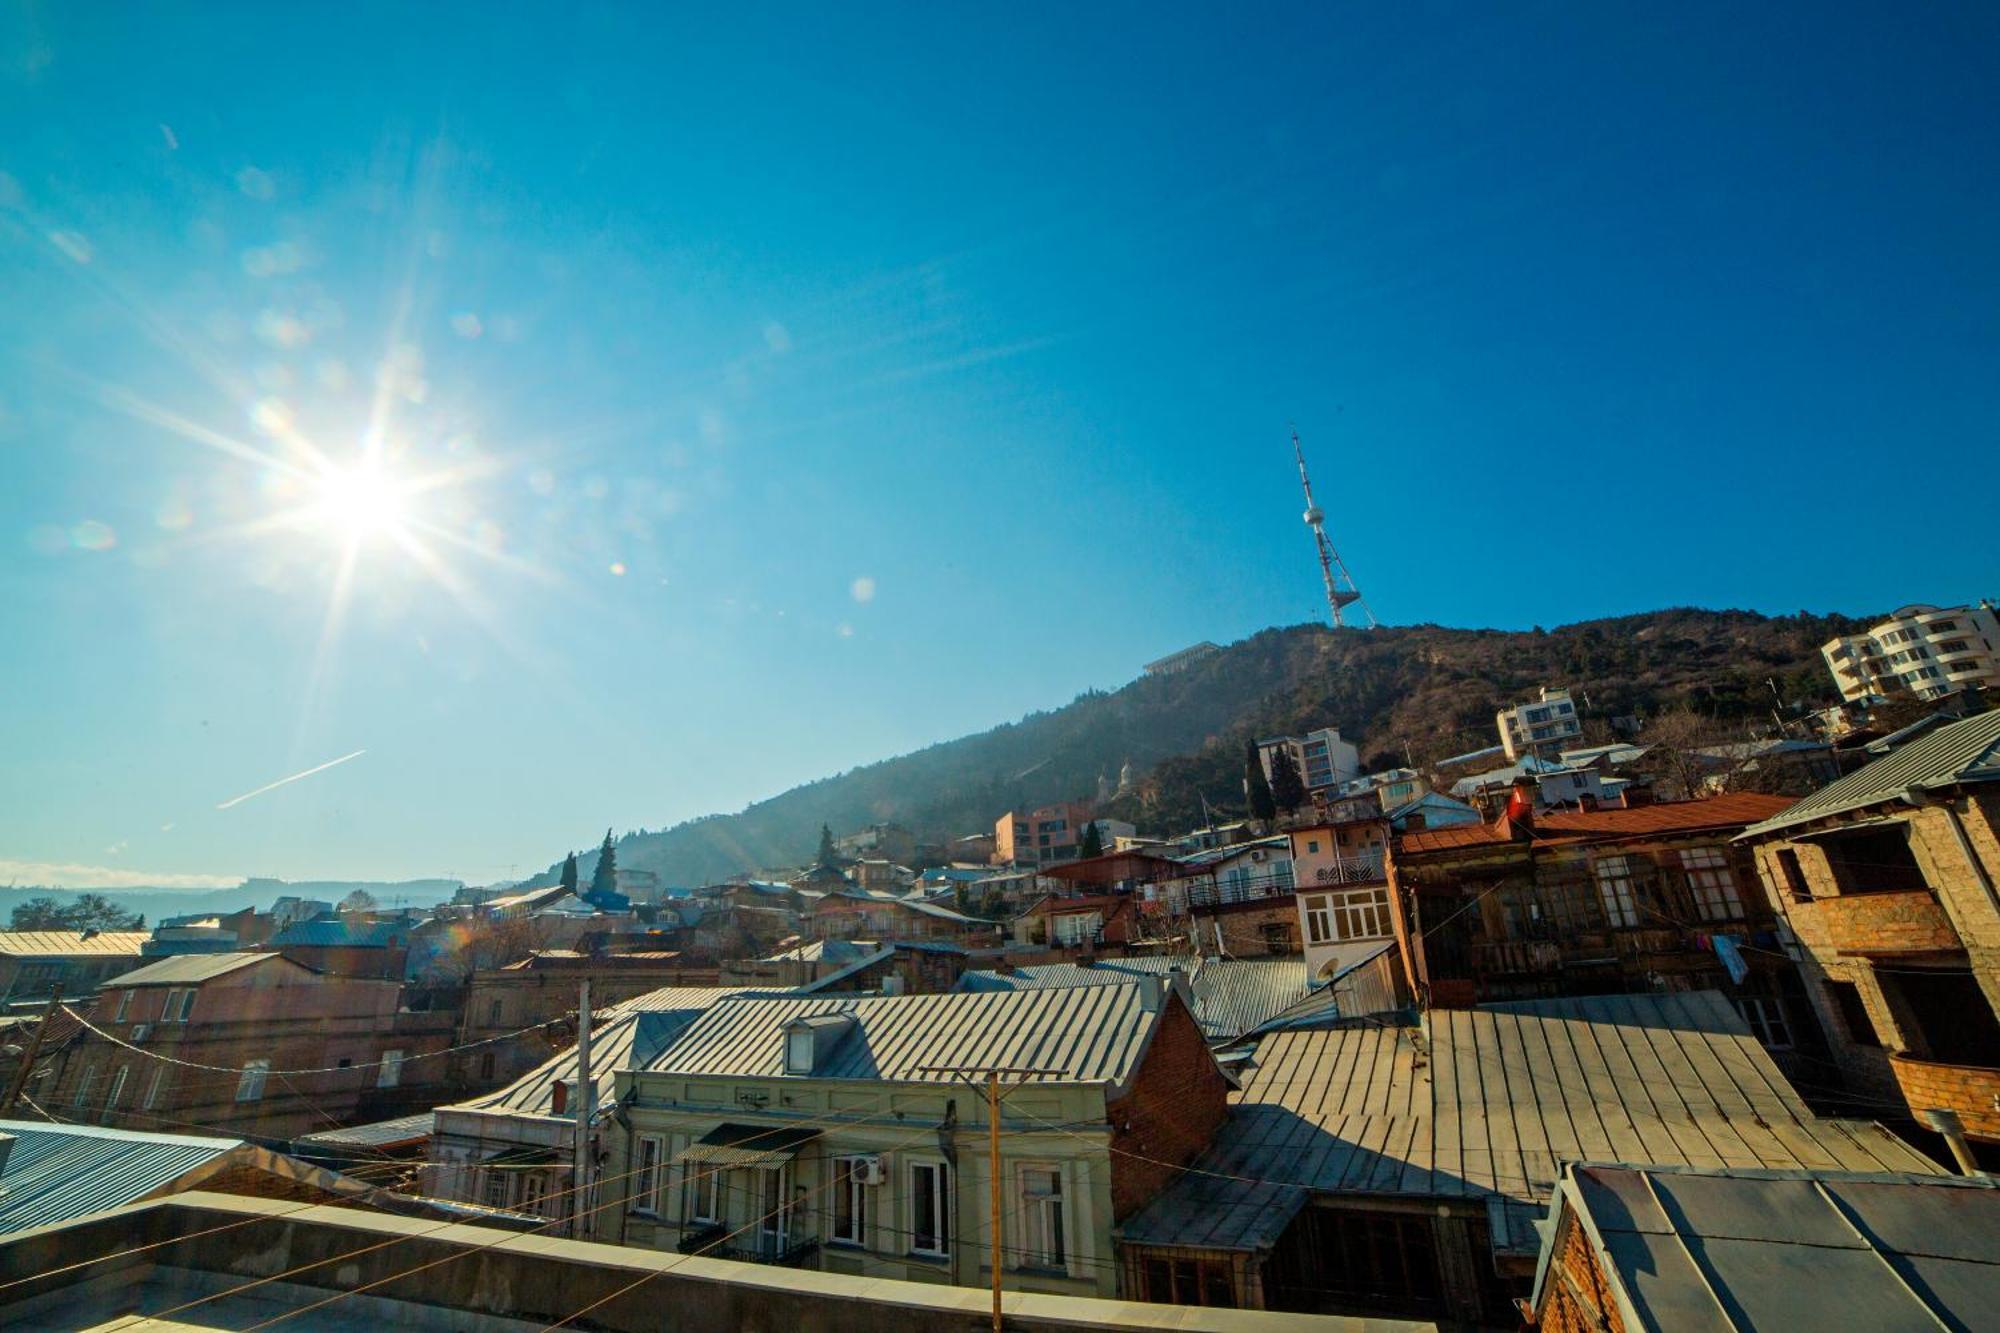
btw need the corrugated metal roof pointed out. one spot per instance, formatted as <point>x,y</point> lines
<point>1722,1251</point>
<point>1491,1102</point>
<point>1088,1034</point>
<point>1732,810</point>
<point>613,1037</point>
<point>71,944</point>
<point>336,931</point>
<point>56,1172</point>
<point>1967,751</point>
<point>195,968</point>
<point>1232,997</point>
<point>382,1134</point>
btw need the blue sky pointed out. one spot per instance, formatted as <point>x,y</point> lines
<point>796,387</point>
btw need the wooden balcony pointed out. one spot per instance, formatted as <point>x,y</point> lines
<point>1516,957</point>
<point>1871,924</point>
<point>1971,1090</point>
<point>1630,942</point>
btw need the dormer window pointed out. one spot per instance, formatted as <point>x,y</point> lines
<point>799,1051</point>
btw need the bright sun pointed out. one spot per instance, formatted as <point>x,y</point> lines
<point>362,501</point>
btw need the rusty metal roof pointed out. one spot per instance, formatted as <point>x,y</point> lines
<point>72,944</point>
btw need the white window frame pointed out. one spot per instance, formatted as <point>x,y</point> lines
<point>649,1152</point>
<point>250,1086</point>
<point>124,1005</point>
<point>533,1189</point>
<point>1712,881</point>
<point>1360,914</point>
<point>1767,1020</point>
<point>389,1074</point>
<point>153,1088</point>
<point>850,1195</point>
<point>186,997</point>
<point>1616,890</point>
<point>701,1179</point>
<point>799,1051</point>
<point>1319,919</point>
<point>83,1085</point>
<point>1046,1237</point>
<point>117,1088</point>
<point>938,1193</point>
<point>496,1190</point>
<point>774,1207</point>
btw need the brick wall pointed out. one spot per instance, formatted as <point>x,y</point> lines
<point>1243,926</point>
<point>1178,1100</point>
<point>1967,1089</point>
<point>1576,1295</point>
<point>1870,923</point>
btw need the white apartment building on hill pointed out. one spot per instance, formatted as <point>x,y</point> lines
<point>1926,651</point>
<point>1534,728</point>
<point>1322,758</point>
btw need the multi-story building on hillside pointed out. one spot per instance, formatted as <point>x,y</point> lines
<point>1890,882</point>
<point>1040,836</point>
<point>1594,901</point>
<point>1540,727</point>
<point>1322,758</point>
<point>1926,651</point>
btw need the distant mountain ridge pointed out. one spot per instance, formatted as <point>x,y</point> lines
<point>1423,691</point>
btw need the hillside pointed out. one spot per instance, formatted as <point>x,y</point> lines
<point>1431,689</point>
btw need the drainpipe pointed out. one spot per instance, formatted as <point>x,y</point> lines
<point>1948,1124</point>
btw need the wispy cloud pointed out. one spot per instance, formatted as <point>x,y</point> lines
<point>72,875</point>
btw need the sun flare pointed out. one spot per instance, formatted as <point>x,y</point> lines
<point>362,501</point>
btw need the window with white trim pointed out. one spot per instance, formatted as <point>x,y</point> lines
<point>1360,914</point>
<point>704,1192</point>
<point>494,1191</point>
<point>1712,883</point>
<point>117,1088</point>
<point>390,1073</point>
<point>83,1082</point>
<point>153,1088</point>
<point>532,1190</point>
<point>651,1150</point>
<point>250,1087</point>
<point>1319,920</point>
<point>1615,888</point>
<point>124,1006</point>
<point>930,1209</point>
<point>1044,1237</point>
<point>180,1003</point>
<point>850,1201</point>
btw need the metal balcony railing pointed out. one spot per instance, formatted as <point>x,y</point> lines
<point>1212,892</point>
<point>1348,870</point>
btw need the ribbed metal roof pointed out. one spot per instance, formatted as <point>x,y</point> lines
<point>613,1036</point>
<point>56,1172</point>
<point>1086,1034</point>
<point>1232,996</point>
<point>381,1134</point>
<point>71,944</point>
<point>1967,751</point>
<point>194,968</point>
<point>1490,1103</point>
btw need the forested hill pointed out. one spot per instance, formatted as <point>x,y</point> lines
<point>1431,689</point>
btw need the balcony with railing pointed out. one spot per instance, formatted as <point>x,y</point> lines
<point>716,1241</point>
<point>1211,892</point>
<point>1906,921</point>
<point>1361,868</point>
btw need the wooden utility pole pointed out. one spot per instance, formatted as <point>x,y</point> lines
<point>579,1176</point>
<point>994,1092</point>
<point>28,1054</point>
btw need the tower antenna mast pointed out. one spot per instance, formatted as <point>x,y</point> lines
<point>1341,591</point>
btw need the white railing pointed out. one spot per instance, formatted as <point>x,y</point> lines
<point>1364,869</point>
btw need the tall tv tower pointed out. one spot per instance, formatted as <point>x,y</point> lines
<point>1341,591</point>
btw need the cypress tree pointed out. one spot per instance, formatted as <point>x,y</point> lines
<point>1093,841</point>
<point>569,873</point>
<point>604,879</point>
<point>1288,789</point>
<point>827,855</point>
<point>1256,786</point>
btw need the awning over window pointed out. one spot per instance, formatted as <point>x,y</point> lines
<point>521,1157</point>
<point>748,1145</point>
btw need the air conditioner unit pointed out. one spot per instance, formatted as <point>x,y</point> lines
<point>141,1031</point>
<point>868,1171</point>
<point>1256,856</point>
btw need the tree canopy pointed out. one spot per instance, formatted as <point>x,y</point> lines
<point>1256,786</point>
<point>604,879</point>
<point>1093,841</point>
<point>358,902</point>
<point>569,879</point>
<point>1288,789</point>
<point>828,855</point>
<point>90,911</point>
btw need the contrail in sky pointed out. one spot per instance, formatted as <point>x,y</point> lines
<point>273,786</point>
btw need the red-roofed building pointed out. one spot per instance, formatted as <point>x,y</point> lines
<point>1594,902</point>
